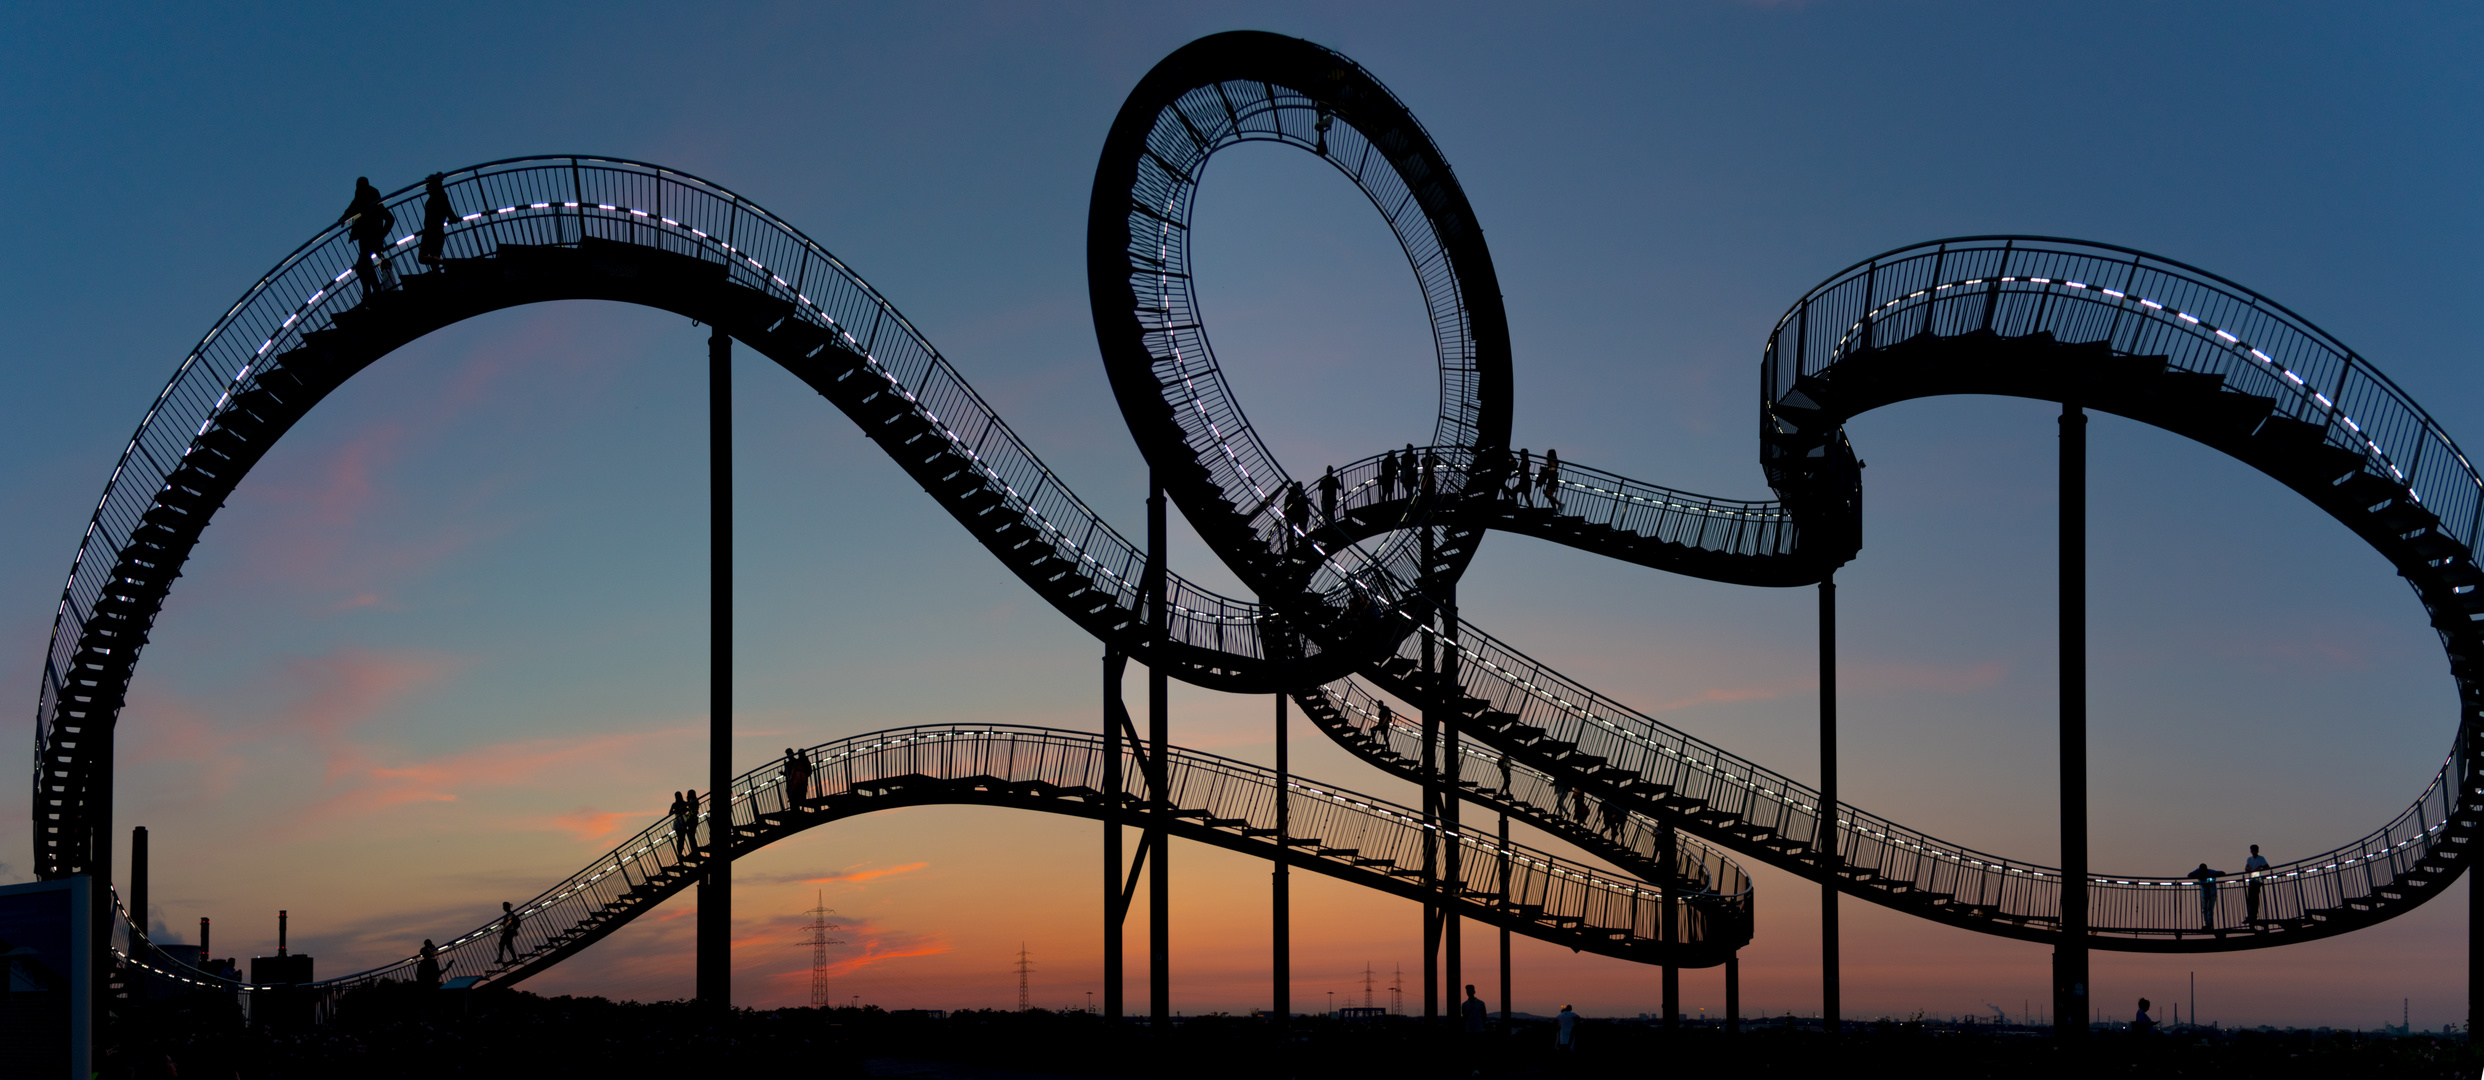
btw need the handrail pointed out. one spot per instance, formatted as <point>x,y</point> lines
<point>1340,824</point>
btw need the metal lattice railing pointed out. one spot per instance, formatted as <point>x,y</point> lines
<point>1564,898</point>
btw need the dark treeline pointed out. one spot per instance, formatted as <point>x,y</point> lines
<point>514,1033</point>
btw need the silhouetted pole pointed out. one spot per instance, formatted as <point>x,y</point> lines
<point>1432,717</point>
<point>1829,852</point>
<point>1115,911</point>
<point>1280,898</point>
<point>2070,996</point>
<point>715,963</point>
<point>138,900</point>
<point>1504,895</point>
<point>1733,994</point>
<point>1669,930</point>
<point>1159,800</point>
<point>1453,767</point>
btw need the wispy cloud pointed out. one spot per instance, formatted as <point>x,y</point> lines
<point>859,876</point>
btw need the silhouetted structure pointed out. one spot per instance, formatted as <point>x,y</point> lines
<point>2088,325</point>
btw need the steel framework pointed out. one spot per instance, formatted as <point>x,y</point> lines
<point>1359,598</point>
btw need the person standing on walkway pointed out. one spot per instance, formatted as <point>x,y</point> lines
<point>508,935</point>
<point>427,966</point>
<point>1472,1011</point>
<point>1519,481</point>
<point>1329,487</point>
<point>2142,1024</point>
<point>368,222</point>
<point>2254,868</point>
<point>2207,894</point>
<point>797,778</point>
<point>686,823</point>
<point>1565,1031</point>
<point>437,213</point>
<point>1406,477</point>
<point>1550,479</point>
<point>1388,476</point>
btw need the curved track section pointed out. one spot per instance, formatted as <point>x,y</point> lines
<point>1362,589</point>
<point>1227,803</point>
<point>2184,351</point>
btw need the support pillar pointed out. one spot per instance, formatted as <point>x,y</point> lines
<point>715,929</point>
<point>1116,895</point>
<point>1830,851</point>
<point>1453,767</point>
<point>1280,896</point>
<point>1669,926</point>
<point>1504,896</point>
<point>1159,800</point>
<point>1733,994</point>
<point>141,945</point>
<point>2070,971</point>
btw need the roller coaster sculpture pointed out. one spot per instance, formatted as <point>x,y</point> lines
<point>1356,593</point>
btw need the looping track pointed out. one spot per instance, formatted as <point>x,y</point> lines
<point>1358,594</point>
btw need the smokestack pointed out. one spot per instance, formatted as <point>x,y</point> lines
<point>202,941</point>
<point>138,880</point>
<point>280,932</point>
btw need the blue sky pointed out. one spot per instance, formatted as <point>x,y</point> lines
<point>454,625</point>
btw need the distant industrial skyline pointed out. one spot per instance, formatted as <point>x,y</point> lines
<point>449,640</point>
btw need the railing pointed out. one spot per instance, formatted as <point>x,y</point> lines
<point>1555,804</point>
<point>565,201</point>
<point>2140,305</point>
<point>1346,827</point>
<point>2121,905</point>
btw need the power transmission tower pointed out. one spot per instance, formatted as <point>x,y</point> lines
<point>819,949</point>
<point>1367,984</point>
<point>1397,992</point>
<point>1024,966</point>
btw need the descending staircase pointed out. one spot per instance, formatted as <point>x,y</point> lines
<point>1219,801</point>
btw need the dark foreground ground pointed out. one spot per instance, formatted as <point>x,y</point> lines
<point>517,1034</point>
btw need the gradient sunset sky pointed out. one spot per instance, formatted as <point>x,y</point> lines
<point>447,643</point>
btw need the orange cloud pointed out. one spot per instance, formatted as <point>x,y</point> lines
<point>589,824</point>
<point>496,765</point>
<point>859,876</point>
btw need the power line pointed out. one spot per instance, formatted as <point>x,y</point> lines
<point>819,927</point>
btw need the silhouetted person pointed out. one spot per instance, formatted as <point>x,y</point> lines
<point>681,828</point>
<point>1614,818</point>
<point>368,222</point>
<point>1565,1030</point>
<point>797,777</point>
<point>1388,476</point>
<point>1473,1011</point>
<point>1329,487</point>
<point>508,935</point>
<point>2142,1023</point>
<point>437,213</point>
<point>1297,510</point>
<point>2207,894</point>
<point>1519,483</point>
<point>2254,868</point>
<point>1550,479</point>
<point>1431,472</point>
<point>427,966</point>
<point>686,823</point>
<point>1406,472</point>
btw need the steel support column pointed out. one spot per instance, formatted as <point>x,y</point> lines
<point>1504,895</point>
<point>1281,901</point>
<point>715,929</point>
<point>1452,768</point>
<point>1733,994</point>
<point>1116,908</point>
<point>1669,926</point>
<point>2070,997</point>
<point>1829,849</point>
<point>1159,801</point>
